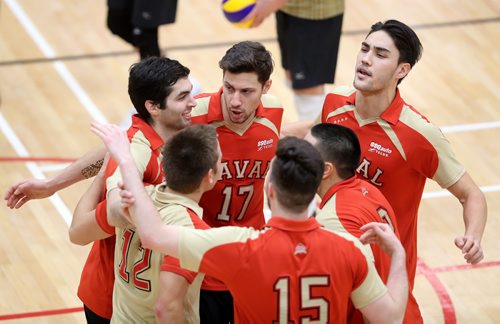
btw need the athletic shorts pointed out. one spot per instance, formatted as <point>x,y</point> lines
<point>309,48</point>
<point>216,307</point>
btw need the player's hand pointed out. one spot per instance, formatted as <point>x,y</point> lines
<point>382,235</point>
<point>262,10</point>
<point>114,138</point>
<point>471,248</point>
<point>24,191</point>
<point>127,201</point>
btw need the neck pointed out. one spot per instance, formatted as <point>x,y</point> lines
<point>326,184</point>
<point>373,104</point>
<point>279,211</point>
<point>164,132</point>
<point>195,195</point>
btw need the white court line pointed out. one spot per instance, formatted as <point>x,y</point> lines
<point>60,67</point>
<point>469,127</point>
<point>55,199</point>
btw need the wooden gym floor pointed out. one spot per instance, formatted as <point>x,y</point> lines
<point>60,68</point>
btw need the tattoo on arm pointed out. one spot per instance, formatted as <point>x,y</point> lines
<point>93,169</point>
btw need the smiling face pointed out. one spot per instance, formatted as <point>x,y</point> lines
<point>241,95</point>
<point>377,67</point>
<point>179,103</point>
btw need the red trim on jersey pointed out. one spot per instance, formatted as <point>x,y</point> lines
<point>97,280</point>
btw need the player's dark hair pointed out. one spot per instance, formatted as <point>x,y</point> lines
<point>188,156</point>
<point>338,145</point>
<point>296,173</point>
<point>152,79</point>
<point>247,57</point>
<point>404,38</point>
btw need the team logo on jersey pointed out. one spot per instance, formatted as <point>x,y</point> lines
<point>300,249</point>
<point>364,191</point>
<point>264,144</point>
<point>379,149</point>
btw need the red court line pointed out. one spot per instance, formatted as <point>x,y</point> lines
<point>444,297</point>
<point>41,313</point>
<point>35,159</point>
<point>467,266</point>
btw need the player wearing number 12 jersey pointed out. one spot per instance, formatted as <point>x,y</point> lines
<point>248,122</point>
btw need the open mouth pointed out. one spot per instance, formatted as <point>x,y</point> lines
<point>363,72</point>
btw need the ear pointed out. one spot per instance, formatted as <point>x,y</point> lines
<point>403,70</point>
<point>330,170</point>
<point>267,86</point>
<point>211,178</point>
<point>270,191</point>
<point>152,107</point>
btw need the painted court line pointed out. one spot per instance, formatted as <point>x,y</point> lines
<point>21,151</point>
<point>60,67</point>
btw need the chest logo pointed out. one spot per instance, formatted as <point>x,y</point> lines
<point>264,144</point>
<point>379,149</point>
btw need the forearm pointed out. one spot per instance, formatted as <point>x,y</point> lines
<point>397,282</point>
<point>84,228</point>
<point>299,129</point>
<point>85,167</point>
<point>475,214</point>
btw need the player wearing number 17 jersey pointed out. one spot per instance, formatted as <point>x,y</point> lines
<point>248,122</point>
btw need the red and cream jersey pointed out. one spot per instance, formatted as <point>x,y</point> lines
<point>137,270</point>
<point>238,198</point>
<point>280,273</point>
<point>347,206</point>
<point>97,280</point>
<point>352,203</point>
<point>399,151</point>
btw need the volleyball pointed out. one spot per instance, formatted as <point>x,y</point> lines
<point>236,10</point>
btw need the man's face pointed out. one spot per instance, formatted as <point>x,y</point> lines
<point>241,95</point>
<point>180,102</point>
<point>377,65</point>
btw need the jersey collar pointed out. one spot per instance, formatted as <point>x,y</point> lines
<point>169,198</point>
<point>392,113</point>
<point>293,225</point>
<point>152,136</point>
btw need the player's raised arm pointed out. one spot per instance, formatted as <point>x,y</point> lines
<point>85,167</point>
<point>394,302</point>
<point>154,234</point>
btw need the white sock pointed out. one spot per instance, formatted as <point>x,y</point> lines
<point>308,107</point>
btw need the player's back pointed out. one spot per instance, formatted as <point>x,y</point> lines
<point>292,270</point>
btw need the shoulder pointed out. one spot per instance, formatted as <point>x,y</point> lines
<point>271,101</point>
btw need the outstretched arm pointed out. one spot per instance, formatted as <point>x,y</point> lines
<point>154,234</point>
<point>474,214</point>
<point>85,167</point>
<point>391,307</point>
